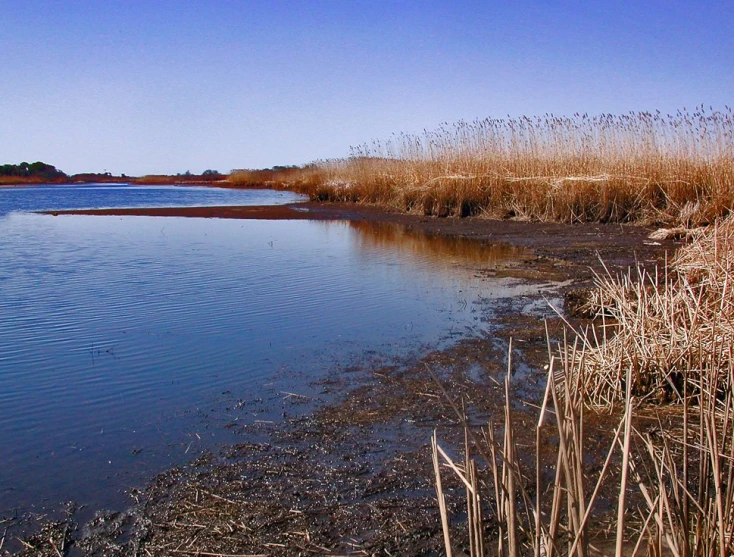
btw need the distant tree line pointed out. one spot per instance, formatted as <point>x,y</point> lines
<point>208,175</point>
<point>277,168</point>
<point>32,170</point>
<point>40,172</point>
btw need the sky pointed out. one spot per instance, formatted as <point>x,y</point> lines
<point>165,87</point>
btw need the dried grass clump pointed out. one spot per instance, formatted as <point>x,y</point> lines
<point>641,166</point>
<point>668,487</point>
<point>670,329</point>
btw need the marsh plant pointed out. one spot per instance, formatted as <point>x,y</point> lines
<point>661,368</point>
<point>672,485</point>
<point>641,166</point>
<point>672,328</point>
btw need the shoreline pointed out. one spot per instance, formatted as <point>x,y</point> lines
<point>354,473</point>
<point>619,246</point>
<point>116,180</point>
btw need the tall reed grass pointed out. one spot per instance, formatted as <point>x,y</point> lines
<point>667,337</point>
<point>673,488</point>
<point>305,179</point>
<point>640,166</point>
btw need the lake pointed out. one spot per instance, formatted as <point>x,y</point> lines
<point>128,343</point>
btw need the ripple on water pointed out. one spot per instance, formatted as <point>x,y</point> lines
<point>121,334</point>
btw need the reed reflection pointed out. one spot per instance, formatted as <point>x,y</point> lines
<point>445,252</point>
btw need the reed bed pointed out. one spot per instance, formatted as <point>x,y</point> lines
<point>673,490</point>
<point>304,179</point>
<point>640,166</point>
<point>665,337</point>
<point>670,327</point>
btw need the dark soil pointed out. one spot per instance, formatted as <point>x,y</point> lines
<point>353,476</point>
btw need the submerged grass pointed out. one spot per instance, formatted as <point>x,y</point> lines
<point>641,166</point>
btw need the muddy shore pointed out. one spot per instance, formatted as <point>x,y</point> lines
<point>349,473</point>
<point>578,245</point>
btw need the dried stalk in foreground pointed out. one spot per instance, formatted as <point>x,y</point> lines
<point>683,513</point>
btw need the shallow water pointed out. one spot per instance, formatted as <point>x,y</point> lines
<point>98,196</point>
<point>122,338</point>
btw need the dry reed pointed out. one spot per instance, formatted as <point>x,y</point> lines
<point>667,327</point>
<point>665,337</point>
<point>675,488</point>
<point>306,179</point>
<point>639,166</point>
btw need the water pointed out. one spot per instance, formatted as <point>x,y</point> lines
<point>126,343</point>
<point>99,196</point>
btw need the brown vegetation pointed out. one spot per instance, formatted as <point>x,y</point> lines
<point>670,328</point>
<point>634,167</point>
<point>673,477</point>
<point>208,177</point>
<point>665,338</point>
<point>297,178</point>
<point>22,181</point>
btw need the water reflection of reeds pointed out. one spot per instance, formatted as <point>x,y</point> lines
<point>416,244</point>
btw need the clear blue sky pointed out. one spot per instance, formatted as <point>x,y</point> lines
<point>168,86</point>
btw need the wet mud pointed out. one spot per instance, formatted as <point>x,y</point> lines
<point>350,473</point>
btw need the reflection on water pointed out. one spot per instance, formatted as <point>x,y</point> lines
<point>122,337</point>
<point>443,250</point>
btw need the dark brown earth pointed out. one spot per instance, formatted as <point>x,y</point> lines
<point>351,474</point>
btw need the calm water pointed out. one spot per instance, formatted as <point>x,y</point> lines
<point>98,196</point>
<point>126,343</point>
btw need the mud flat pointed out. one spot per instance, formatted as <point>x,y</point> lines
<point>349,472</point>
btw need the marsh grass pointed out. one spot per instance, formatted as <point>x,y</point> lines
<point>674,494</point>
<point>664,338</point>
<point>640,166</point>
<point>670,328</point>
<point>307,179</point>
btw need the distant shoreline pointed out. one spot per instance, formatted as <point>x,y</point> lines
<point>292,211</point>
<point>6,182</point>
<point>617,244</point>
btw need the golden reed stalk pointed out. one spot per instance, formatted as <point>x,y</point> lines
<point>641,166</point>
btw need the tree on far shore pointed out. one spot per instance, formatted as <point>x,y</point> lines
<point>36,169</point>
